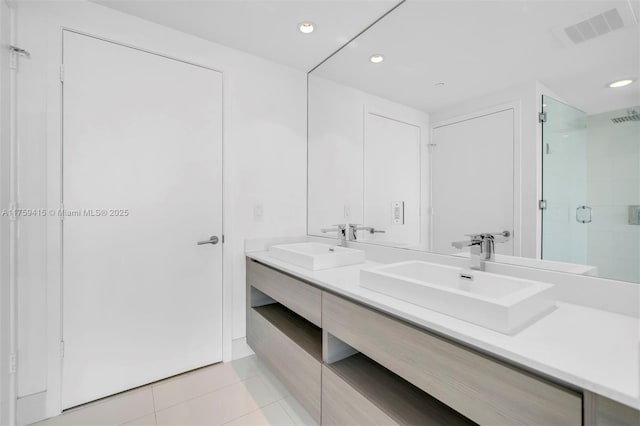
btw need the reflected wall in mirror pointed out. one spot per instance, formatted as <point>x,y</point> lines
<point>486,116</point>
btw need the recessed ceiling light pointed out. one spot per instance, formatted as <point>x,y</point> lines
<point>306,27</point>
<point>620,83</point>
<point>440,84</point>
<point>376,59</point>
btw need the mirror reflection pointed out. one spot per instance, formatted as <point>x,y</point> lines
<point>447,123</point>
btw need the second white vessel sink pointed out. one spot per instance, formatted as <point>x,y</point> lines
<point>316,256</point>
<point>498,302</point>
<point>549,265</point>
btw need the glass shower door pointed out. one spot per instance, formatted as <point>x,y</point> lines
<point>565,212</point>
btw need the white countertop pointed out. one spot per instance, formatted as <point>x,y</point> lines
<point>592,349</point>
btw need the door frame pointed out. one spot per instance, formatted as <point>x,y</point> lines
<point>54,237</point>
<point>516,107</point>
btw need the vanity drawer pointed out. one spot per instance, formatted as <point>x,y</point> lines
<point>482,389</point>
<point>299,371</point>
<point>298,296</point>
<point>343,405</point>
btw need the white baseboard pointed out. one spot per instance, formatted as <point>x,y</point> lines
<point>31,408</point>
<point>240,349</point>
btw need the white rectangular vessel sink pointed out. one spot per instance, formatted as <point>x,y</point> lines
<point>549,265</point>
<point>316,256</point>
<point>498,302</point>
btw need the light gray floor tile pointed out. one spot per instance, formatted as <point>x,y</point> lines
<point>296,412</point>
<point>187,386</point>
<point>248,366</point>
<point>221,406</point>
<point>148,420</point>
<point>272,414</point>
<point>276,385</point>
<point>111,411</point>
<point>243,389</point>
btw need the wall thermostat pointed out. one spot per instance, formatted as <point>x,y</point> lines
<point>397,212</point>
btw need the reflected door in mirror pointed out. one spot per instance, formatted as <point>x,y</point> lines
<point>472,175</point>
<point>391,181</point>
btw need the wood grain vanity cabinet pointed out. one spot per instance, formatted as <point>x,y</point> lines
<point>484,390</point>
<point>358,391</point>
<point>601,411</point>
<point>301,298</point>
<point>290,344</point>
<point>272,334</point>
<point>349,364</point>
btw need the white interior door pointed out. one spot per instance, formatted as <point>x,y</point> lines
<point>391,180</point>
<point>143,143</point>
<point>472,180</point>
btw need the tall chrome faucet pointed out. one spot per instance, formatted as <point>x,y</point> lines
<point>340,230</point>
<point>354,228</point>
<point>349,231</point>
<point>482,247</point>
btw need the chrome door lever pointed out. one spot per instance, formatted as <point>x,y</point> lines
<point>212,240</point>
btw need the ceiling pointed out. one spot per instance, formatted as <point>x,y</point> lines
<point>478,47</point>
<point>267,28</point>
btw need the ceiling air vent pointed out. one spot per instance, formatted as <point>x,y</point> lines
<point>632,115</point>
<point>595,26</point>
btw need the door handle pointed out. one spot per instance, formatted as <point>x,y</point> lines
<point>212,240</point>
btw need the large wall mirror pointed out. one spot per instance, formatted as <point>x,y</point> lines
<point>448,118</point>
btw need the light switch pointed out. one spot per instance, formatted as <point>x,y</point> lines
<point>347,211</point>
<point>258,211</point>
<point>397,212</point>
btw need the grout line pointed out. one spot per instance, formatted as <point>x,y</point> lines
<point>250,412</point>
<point>137,418</point>
<point>153,399</point>
<point>293,422</point>
<point>209,392</point>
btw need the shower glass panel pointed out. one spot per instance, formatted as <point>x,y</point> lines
<point>565,212</point>
<point>613,192</point>
<point>591,189</point>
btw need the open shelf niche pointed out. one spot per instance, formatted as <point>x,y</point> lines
<point>396,397</point>
<point>301,331</point>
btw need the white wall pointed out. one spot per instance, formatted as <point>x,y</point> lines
<point>336,148</point>
<point>5,188</point>
<point>265,163</point>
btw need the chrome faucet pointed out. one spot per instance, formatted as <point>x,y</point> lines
<point>341,231</point>
<point>482,247</point>
<point>354,228</point>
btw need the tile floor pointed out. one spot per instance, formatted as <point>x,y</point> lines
<point>242,392</point>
